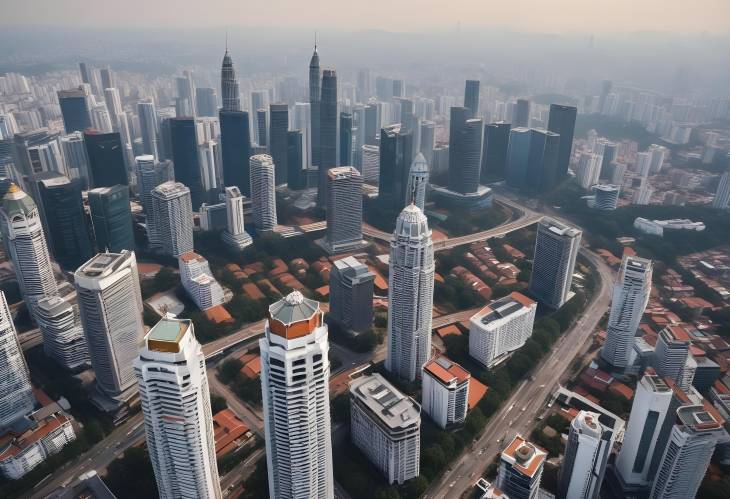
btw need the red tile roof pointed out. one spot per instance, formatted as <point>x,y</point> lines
<point>477,391</point>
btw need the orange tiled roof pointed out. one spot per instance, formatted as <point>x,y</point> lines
<point>446,375</point>
<point>218,315</point>
<point>447,330</point>
<point>226,429</point>
<point>252,369</point>
<point>477,391</point>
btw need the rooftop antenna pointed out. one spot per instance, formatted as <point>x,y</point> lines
<point>315,40</point>
<point>226,39</point>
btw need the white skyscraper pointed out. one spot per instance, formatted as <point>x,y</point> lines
<point>171,226</point>
<point>371,164</point>
<point>110,304</point>
<point>722,195</point>
<point>445,391</point>
<point>173,388</point>
<point>198,281</point>
<point>643,163</point>
<point>418,181</point>
<point>302,121</point>
<point>235,234</point>
<point>589,168</point>
<point>74,155</point>
<point>263,194</point>
<point>671,354</point>
<point>150,174</point>
<point>410,294</point>
<point>630,296</point>
<point>63,336</point>
<point>295,372</point>
<point>26,245</point>
<point>208,159</point>
<point>16,392</point>
<point>658,155</point>
<point>101,119</point>
<point>149,126</point>
<point>586,454</point>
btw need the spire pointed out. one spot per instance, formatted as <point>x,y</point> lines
<point>315,40</point>
<point>226,40</point>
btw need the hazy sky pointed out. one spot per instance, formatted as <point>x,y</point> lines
<point>593,16</point>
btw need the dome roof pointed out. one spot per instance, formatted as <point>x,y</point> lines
<point>411,223</point>
<point>419,164</point>
<point>17,201</point>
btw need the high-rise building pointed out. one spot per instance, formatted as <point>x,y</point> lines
<point>722,195</point>
<point>351,294</point>
<point>171,226</point>
<point>111,218</point>
<point>518,157</point>
<point>521,117</point>
<point>427,141</point>
<point>185,104</point>
<point>520,469</point>
<point>149,126</point>
<point>26,154</point>
<point>198,281</point>
<point>315,95</point>
<point>358,135</point>
<point>235,143</point>
<point>209,161</point>
<point>263,192</point>
<point>206,101</point>
<point>150,174</point>
<point>303,122</point>
<point>16,392</point>
<point>396,151</point>
<point>213,217</point>
<point>542,163</point>
<point>466,150</point>
<point>25,244</point>
<point>471,98</point>
<point>75,109</point>
<point>608,151</point>
<point>185,157</point>
<point>63,336</point>
<point>105,153</point>
<point>344,210</point>
<point>445,391</point>
<point>372,123</point>
<point>65,220</point>
<point>605,197</point>
<point>278,127</point>
<point>586,455</point>
<point>671,354</point>
<point>418,181</point>
<point>173,388</point>
<point>328,132</point>
<point>235,235</point>
<point>556,249</point>
<point>346,143</point>
<point>589,168</point>
<point>110,304</point>
<point>410,295</point>
<point>296,176</point>
<point>562,121</point>
<point>386,427</point>
<point>101,119</point>
<point>371,164</point>
<point>658,155</point>
<point>74,155</point>
<point>295,373</point>
<point>494,153</point>
<point>229,85</point>
<point>261,128</point>
<point>500,328</point>
<point>107,78</point>
<point>630,296</point>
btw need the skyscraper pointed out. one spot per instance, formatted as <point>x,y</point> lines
<point>206,102</point>
<point>107,78</point>
<point>150,174</point>
<point>106,159</point>
<point>471,98</point>
<point>111,218</point>
<point>63,336</point>
<point>346,140</point>
<point>185,157</point>
<point>328,131</point>
<point>396,151</point>
<point>556,249</point>
<point>445,391</point>
<point>16,392</point>
<point>149,126</point>
<point>263,192</point>
<point>630,296</point>
<point>229,85</point>
<point>372,123</point>
<point>235,142</point>
<point>235,235</point>
<point>351,294</point>
<point>75,109</point>
<point>314,103</point>
<point>671,353</point>
<point>25,243</point>
<point>303,122</point>
<point>542,162</point>
<point>457,120</point>
<point>173,388</point>
<point>295,372</point>
<point>521,116</point>
<point>344,210</point>
<point>520,469</point>
<point>261,127</point>
<point>371,164</point>
<point>74,155</point>
<point>170,228</point>
<point>464,172</point>
<point>494,153</point>
<point>278,126</point>
<point>589,168</point>
<point>586,454</point>
<point>722,195</point>
<point>427,141</point>
<point>110,304</point>
<point>296,176</point>
<point>418,181</point>
<point>562,121</point>
<point>410,295</point>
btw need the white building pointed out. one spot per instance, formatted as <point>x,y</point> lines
<point>63,336</point>
<point>642,195</point>
<point>671,354</point>
<point>586,454</point>
<point>263,194</point>
<point>371,164</point>
<point>722,195</point>
<point>630,297</point>
<point>605,197</point>
<point>235,235</point>
<point>520,469</point>
<point>149,127</point>
<point>198,281</point>
<point>657,227</point>
<point>418,181</point>
<point>173,388</point>
<point>16,392</point>
<point>208,159</point>
<point>26,246</point>
<point>110,304</point>
<point>302,122</point>
<point>410,294</point>
<point>658,156</point>
<point>445,391</point>
<point>74,155</point>
<point>295,372</point>
<point>589,168</point>
<point>500,328</point>
<point>386,427</point>
<point>171,226</point>
<point>643,163</point>
<point>150,174</point>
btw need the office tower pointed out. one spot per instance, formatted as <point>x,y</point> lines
<point>562,121</point>
<point>589,168</point>
<point>471,98</point>
<point>671,353</point>
<point>263,193</point>
<point>605,197</point>
<point>261,127</point>
<point>296,176</point>
<point>396,151</point>
<point>386,427</point>
<point>445,392</point>
<point>328,132</point>
<point>371,164</point>
<point>303,123</point>
<point>586,454</point>
<point>658,155</point>
<point>150,174</point>
<point>630,296</point>
<point>346,140</point>
<point>643,163</point>
<point>65,221</point>
<point>235,235</point>
<point>494,152</point>
<point>358,135</point>
<point>259,102</point>
<point>457,120</point>
<point>63,337</point>
<point>113,102</point>
<point>606,86</point>
<point>185,105</point>
<point>25,244</point>
<point>85,73</point>
<point>185,157</point>
<point>111,218</point>
<point>500,328</point>
<point>198,281</point>
<point>235,143</point>
<point>722,195</point>
<point>427,141</point>
<point>344,210</point>
<point>608,150</point>
<point>208,158</point>
<point>520,469</point>
<point>278,126</point>
<point>410,294</point>
<point>464,173</point>
<point>295,373</point>
<point>688,452</point>
<point>521,117</point>
<point>75,109</point>
<point>407,118</point>
<point>399,88</point>
<point>363,84</point>
<point>74,156</point>
<point>556,248</point>
<point>418,181</point>
<point>105,153</point>
<point>173,388</point>
<point>206,102</point>
<point>518,157</point>
<point>170,228</point>
<point>315,95</point>
<point>372,123</point>
<point>46,159</point>
<point>542,164</point>
<point>351,294</point>
<point>110,303</point>
<point>107,78</point>
<point>213,217</point>
<point>25,151</point>
<point>229,85</point>
<point>16,392</point>
<point>101,119</point>
<point>8,126</point>
<point>149,126</point>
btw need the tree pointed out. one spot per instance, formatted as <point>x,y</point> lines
<point>217,403</point>
<point>228,371</point>
<point>131,476</point>
<point>388,492</point>
<point>415,487</point>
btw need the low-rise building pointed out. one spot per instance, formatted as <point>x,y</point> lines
<point>657,227</point>
<point>198,281</point>
<point>445,391</point>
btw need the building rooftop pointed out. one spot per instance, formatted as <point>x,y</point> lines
<point>17,201</point>
<point>192,256</point>
<point>524,456</point>
<point>559,228</point>
<point>654,383</point>
<point>503,307</point>
<point>103,264</point>
<point>294,316</point>
<point>165,336</point>
<point>342,172</point>
<point>391,407</point>
<point>699,418</point>
<point>446,370</point>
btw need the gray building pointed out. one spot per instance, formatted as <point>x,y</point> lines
<point>471,97</point>
<point>556,249</point>
<point>351,294</point>
<point>278,126</point>
<point>344,210</point>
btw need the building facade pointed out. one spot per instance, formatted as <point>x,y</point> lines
<point>445,392</point>
<point>63,336</point>
<point>235,235</point>
<point>171,227</point>
<point>351,294</point>
<point>344,210</point>
<point>111,218</point>
<point>16,392</point>
<point>198,281</point>
<point>263,193</point>
<point>520,469</point>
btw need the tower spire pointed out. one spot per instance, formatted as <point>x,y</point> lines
<point>315,40</point>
